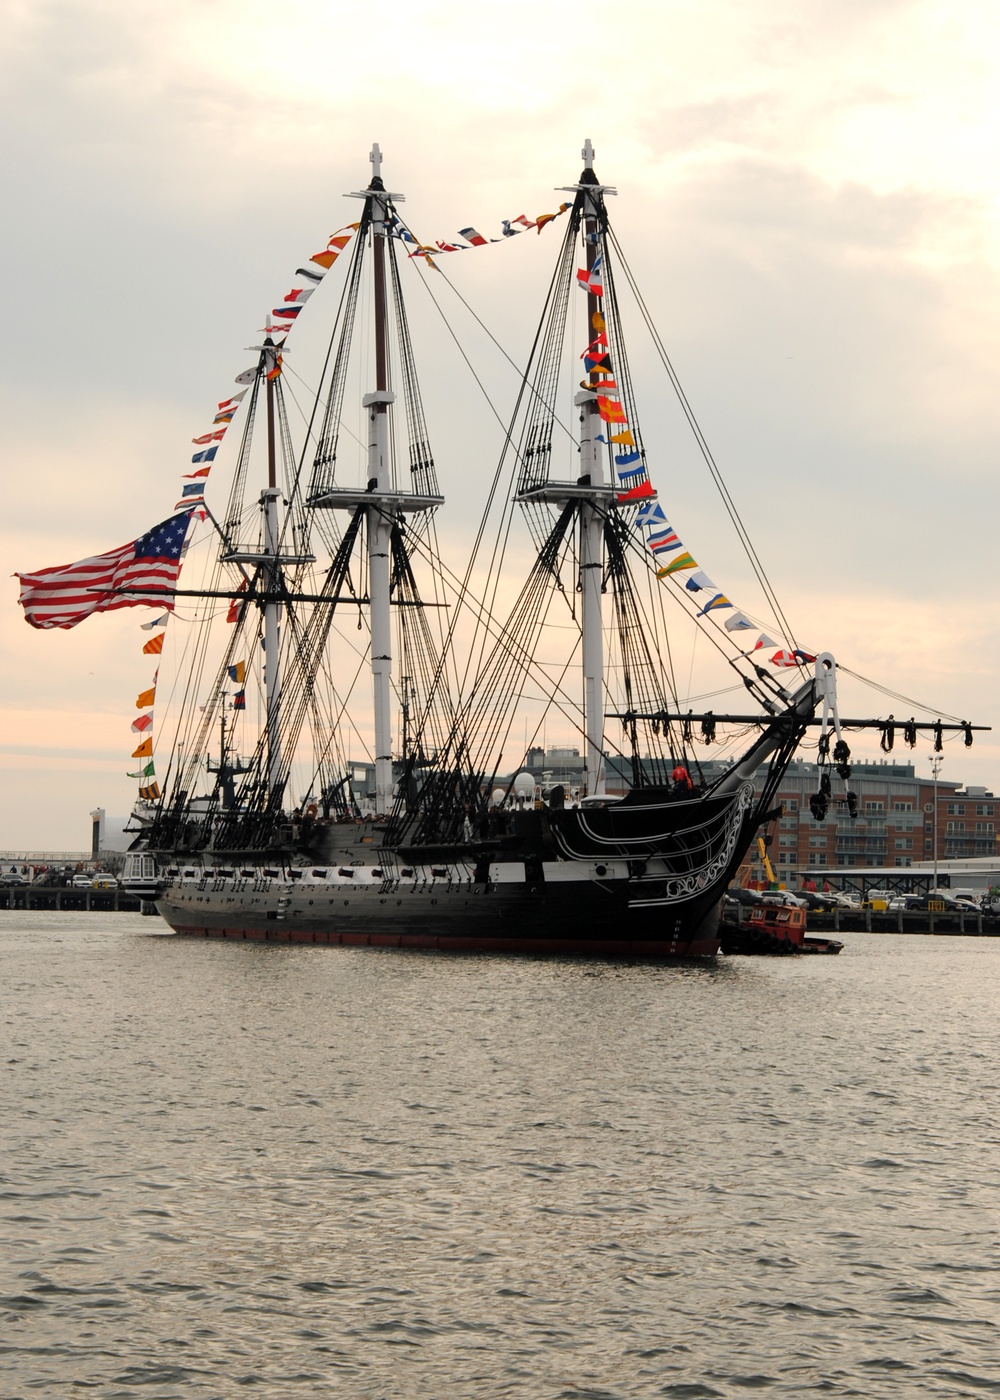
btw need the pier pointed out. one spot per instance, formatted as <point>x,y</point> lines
<point>898,921</point>
<point>66,897</point>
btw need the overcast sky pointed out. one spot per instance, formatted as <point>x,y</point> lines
<point>807,191</point>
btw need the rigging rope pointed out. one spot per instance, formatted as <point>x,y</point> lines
<point>706,452</point>
<point>895,695</point>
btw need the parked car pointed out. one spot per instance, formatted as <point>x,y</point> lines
<point>784,898</point>
<point>841,900</point>
<point>923,902</point>
<point>830,899</point>
<point>957,903</point>
<point>746,897</point>
<point>824,903</point>
<point>94,880</point>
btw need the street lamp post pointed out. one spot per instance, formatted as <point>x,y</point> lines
<point>936,761</point>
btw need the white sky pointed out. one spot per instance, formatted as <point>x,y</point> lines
<point>808,193</point>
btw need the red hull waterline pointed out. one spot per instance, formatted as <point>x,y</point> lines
<point>642,949</point>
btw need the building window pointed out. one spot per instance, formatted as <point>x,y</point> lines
<point>790,804</point>
<point>903,860</point>
<point>817,840</point>
<point>904,843</point>
<point>817,858</point>
<point>985,828</point>
<point>902,806</point>
<point>954,826</point>
<point>956,809</point>
<point>984,809</point>
<point>788,840</point>
<point>874,806</point>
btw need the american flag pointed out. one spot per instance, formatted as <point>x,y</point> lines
<point>64,596</point>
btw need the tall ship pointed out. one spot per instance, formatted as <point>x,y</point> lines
<point>329,620</point>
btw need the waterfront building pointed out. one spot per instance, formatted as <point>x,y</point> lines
<point>895,825</point>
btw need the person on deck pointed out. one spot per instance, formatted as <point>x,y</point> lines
<point>682,785</point>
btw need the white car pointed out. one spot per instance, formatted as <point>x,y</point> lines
<point>842,901</point>
<point>783,897</point>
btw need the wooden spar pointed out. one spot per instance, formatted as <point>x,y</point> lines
<point>271,363</point>
<point>380,520</point>
<point>381,368</point>
<point>591,516</point>
<point>272,606</point>
<point>253,596</point>
<point>666,717</point>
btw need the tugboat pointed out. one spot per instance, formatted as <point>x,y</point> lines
<point>775,928</point>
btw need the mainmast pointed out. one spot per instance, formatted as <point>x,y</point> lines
<point>591,516</point>
<point>272,567</point>
<point>379,519</point>
<point>381,500</point>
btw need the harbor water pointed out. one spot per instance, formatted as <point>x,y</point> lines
<point>241,1169</point>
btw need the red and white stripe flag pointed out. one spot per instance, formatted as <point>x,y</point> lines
<point>65,595</point>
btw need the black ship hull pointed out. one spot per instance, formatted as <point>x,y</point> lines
<point>589,922</point>
<point>642,878</point>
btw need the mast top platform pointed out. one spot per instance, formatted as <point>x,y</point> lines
<point>588,180</point>
<point>376,188</point>
<point>269,332</point>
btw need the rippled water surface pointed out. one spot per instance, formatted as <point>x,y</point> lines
<point>231,1169</point>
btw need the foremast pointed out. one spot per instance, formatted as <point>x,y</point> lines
<point>271,564</point>
<point>382,503</point>
<point>592,464</point>
<point>593,494</point>
<point>380,519</point>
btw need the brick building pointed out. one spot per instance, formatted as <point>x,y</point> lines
<point>894,825</point>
